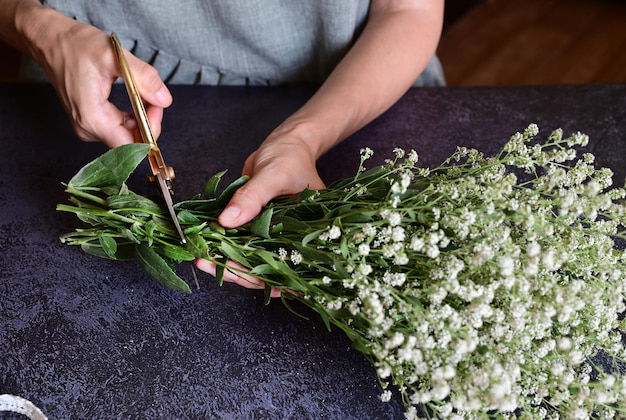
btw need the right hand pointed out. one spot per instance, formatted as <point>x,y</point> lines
<point>81,65</point>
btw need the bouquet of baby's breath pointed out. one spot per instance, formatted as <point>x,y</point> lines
<point>485,287</point>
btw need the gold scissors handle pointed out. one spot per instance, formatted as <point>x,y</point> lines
<point>161,173</point>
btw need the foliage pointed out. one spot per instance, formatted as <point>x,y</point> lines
<point>484,287</point>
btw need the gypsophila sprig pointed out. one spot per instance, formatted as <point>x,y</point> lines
<point>487,287</point>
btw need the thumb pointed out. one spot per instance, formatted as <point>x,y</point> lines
<point>248,200</point>
<point>247,203</point>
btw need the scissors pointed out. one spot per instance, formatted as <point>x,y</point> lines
<point>160,172</point>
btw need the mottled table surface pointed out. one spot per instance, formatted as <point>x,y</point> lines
<point>82,337</point>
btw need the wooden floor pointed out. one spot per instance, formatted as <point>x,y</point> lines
<point>514,42</point>
<point>535,42</point>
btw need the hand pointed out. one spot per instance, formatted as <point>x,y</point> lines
<point>81,65</point>
<point>282,165</point>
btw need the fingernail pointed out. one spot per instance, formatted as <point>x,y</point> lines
<point>230,214</point>
<point>130,124</point>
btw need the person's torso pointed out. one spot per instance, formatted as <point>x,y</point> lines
<point>230,42</point>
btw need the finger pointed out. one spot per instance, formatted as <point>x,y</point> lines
<point>233,273</point>
<point>109,125</point>
<point>229,276</point>
<point>155,117</point>
<point>248,200</point>
<point>149,83</point>
<point>245,204</point>
<point>115,128</point>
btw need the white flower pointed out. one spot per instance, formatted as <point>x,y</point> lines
<point>392,217</point>
<point>533,249</point>
<point>369,230</point>
<point>366,153</point>
<point>564,344</point>
<point>384,371</point>
<point>507,265</point>
<point>364,269</point>
<point>364,250</point>
<point>397,234</point>
<point>394,279</point>
<point>547,259</point>
<point>398,152</point>
<point>295,257</point>
<point>401,259</point>
<point>440,390</point>
<point>395,341</point>
<point>432,251</point>
<point>417,243</point>
<point>411,413</point>
<point>332,233</point>
<point>405,180</point>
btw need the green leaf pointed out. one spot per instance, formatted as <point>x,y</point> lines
<point>229,191</point>
<point>337,211</point>
<point>264,270</point>
<point>123,252</point>
<point>267,294</point>
<point>231,252</point>
<point>325,318</point>
<point>281,267</point>
<point>344,246</point>
<point>133,201</point>
<point>359,217</point>
<point>210,188</point>
<point>261,224</point>
<point>128,234</point>
<point>313,254</point>
<point>196,245</point>
<point>112,168</point>
<point>276,229</point>
<point>270,258</point>
<point>108,244</point>
<point>291,224</point>
<point>159,269</point>
<point>311,236</point>
<point>306,194</point>
<point>186,217</point>
<point>176,253</point>
<point>194,229</point>
<point>220,267</point>
<point>202,206</point>
<point>216,227</point>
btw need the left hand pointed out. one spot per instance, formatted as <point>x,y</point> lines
<point>283,164</point>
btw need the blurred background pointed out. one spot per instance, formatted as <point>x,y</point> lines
<point>533,42</point>
<point>513,42</point>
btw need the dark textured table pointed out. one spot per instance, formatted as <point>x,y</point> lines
<point>83,337</point>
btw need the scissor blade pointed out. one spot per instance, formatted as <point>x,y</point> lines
<point>170,206</point>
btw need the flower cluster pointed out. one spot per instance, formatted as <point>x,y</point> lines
<point>485,287</point>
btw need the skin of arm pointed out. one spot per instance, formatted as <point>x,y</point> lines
<point>399,39</point>
<point>397,43</point>
<point>81,65</point>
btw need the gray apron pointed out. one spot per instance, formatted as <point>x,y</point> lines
<point>231,42</point>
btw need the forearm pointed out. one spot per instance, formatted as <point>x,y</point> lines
<point>390,54</point>
<point>28,26</point>
<point>18,21</point>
